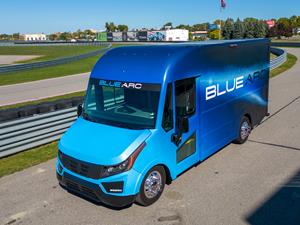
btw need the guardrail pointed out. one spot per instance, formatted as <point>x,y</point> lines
<point>54,62</point>
<point>278,61</point>
<point>22,134</point>
<point>50,43</point>
<point>286,44</point>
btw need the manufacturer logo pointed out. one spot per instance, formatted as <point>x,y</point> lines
<point>118,84</point>
<point>216,90</point>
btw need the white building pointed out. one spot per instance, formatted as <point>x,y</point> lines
<point>199,34</point>
<point>177,35</point>
<point>35,37</point>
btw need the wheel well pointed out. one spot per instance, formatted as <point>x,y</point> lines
<point>249,117</point>
<point>168,174</point>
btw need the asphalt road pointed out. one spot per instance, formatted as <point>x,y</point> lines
<point>257,183</point>
<point>35,90</point>
<point>10,59</point>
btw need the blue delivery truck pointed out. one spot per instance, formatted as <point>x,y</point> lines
<point>151,112</point>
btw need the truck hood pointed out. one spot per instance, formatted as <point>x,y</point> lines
<point>101,144</point>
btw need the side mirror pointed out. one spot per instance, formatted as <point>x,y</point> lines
<point>183,124</point>
<point>79,110</point>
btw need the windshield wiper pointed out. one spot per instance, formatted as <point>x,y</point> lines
<point>113,123</point>
<point>123,125</point>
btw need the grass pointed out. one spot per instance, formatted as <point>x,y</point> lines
<point>291,61</point>
<point>80,66</point>
<point>75,94</point>
<point>20,161</point>
<point>46,52</point>
<point>273,56</point>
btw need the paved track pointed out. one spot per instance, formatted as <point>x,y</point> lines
<point>30,91</point>
<point>10,59</point>
<point>257,183</point>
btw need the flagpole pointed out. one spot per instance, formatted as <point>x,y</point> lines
<point>223,5</point>
<point>220,30</point>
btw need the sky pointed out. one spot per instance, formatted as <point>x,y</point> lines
<point>40,16</point>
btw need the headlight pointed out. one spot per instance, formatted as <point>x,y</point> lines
<point>123,166</point>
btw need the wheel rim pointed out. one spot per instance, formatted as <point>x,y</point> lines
<point>245,130</point>
<point>153,184</point>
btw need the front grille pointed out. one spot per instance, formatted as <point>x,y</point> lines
<point>85,169</point>
<point>86,191</point>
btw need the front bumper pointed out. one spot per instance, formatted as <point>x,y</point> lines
<point>92,191</point>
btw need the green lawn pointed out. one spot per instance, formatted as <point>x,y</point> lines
<point>80,66</point>
<point>291,61</point>
<point>20,161</point>
<point>46,52</point>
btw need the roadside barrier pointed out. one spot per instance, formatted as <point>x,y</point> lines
<point>54,62</point>
<point>279,60</point>
<point>46,122</point>
<point>286,44</point>
<point>23,134</point>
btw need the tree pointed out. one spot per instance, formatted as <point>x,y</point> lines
<point>122,28</point>
<point>65,36</point>
<point>16,36</point>
<point>89,34</point>
<point>250,20</point>
<point>249,29</point>
<point>215,35</point>
<point>282,28</point>
<point>183,26</point>
<point>200,27</point>
<point>218,22</point>
<point>53,37</point>
<point>295,23</point>
<point>260,29</point>
<point>238,31</point>
<point>5,37</point>
<point>227,29</point>
<point>168,24</point>
<point>110,27</point>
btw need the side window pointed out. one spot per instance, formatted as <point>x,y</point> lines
<point>185,91</point>
<point>167,121</point>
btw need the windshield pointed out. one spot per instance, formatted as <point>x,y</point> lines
<point>122,104</point>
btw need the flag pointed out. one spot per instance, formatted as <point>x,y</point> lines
<point>223,4</point>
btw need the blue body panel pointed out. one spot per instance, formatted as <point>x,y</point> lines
<point>232,80</point>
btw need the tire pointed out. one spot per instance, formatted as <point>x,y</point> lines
<point>146,198</point>
<point>244,131</point>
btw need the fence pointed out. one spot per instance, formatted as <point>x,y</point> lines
<point>22,134</point>
<point>55,62</point>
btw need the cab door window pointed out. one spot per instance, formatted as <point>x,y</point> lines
<point>185,93</point>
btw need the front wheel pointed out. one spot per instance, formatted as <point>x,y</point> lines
<point>152,186</point>
<point>244,131</point>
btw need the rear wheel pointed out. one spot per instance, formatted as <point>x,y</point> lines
<point>244,131</point>
<point>152,186</point>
